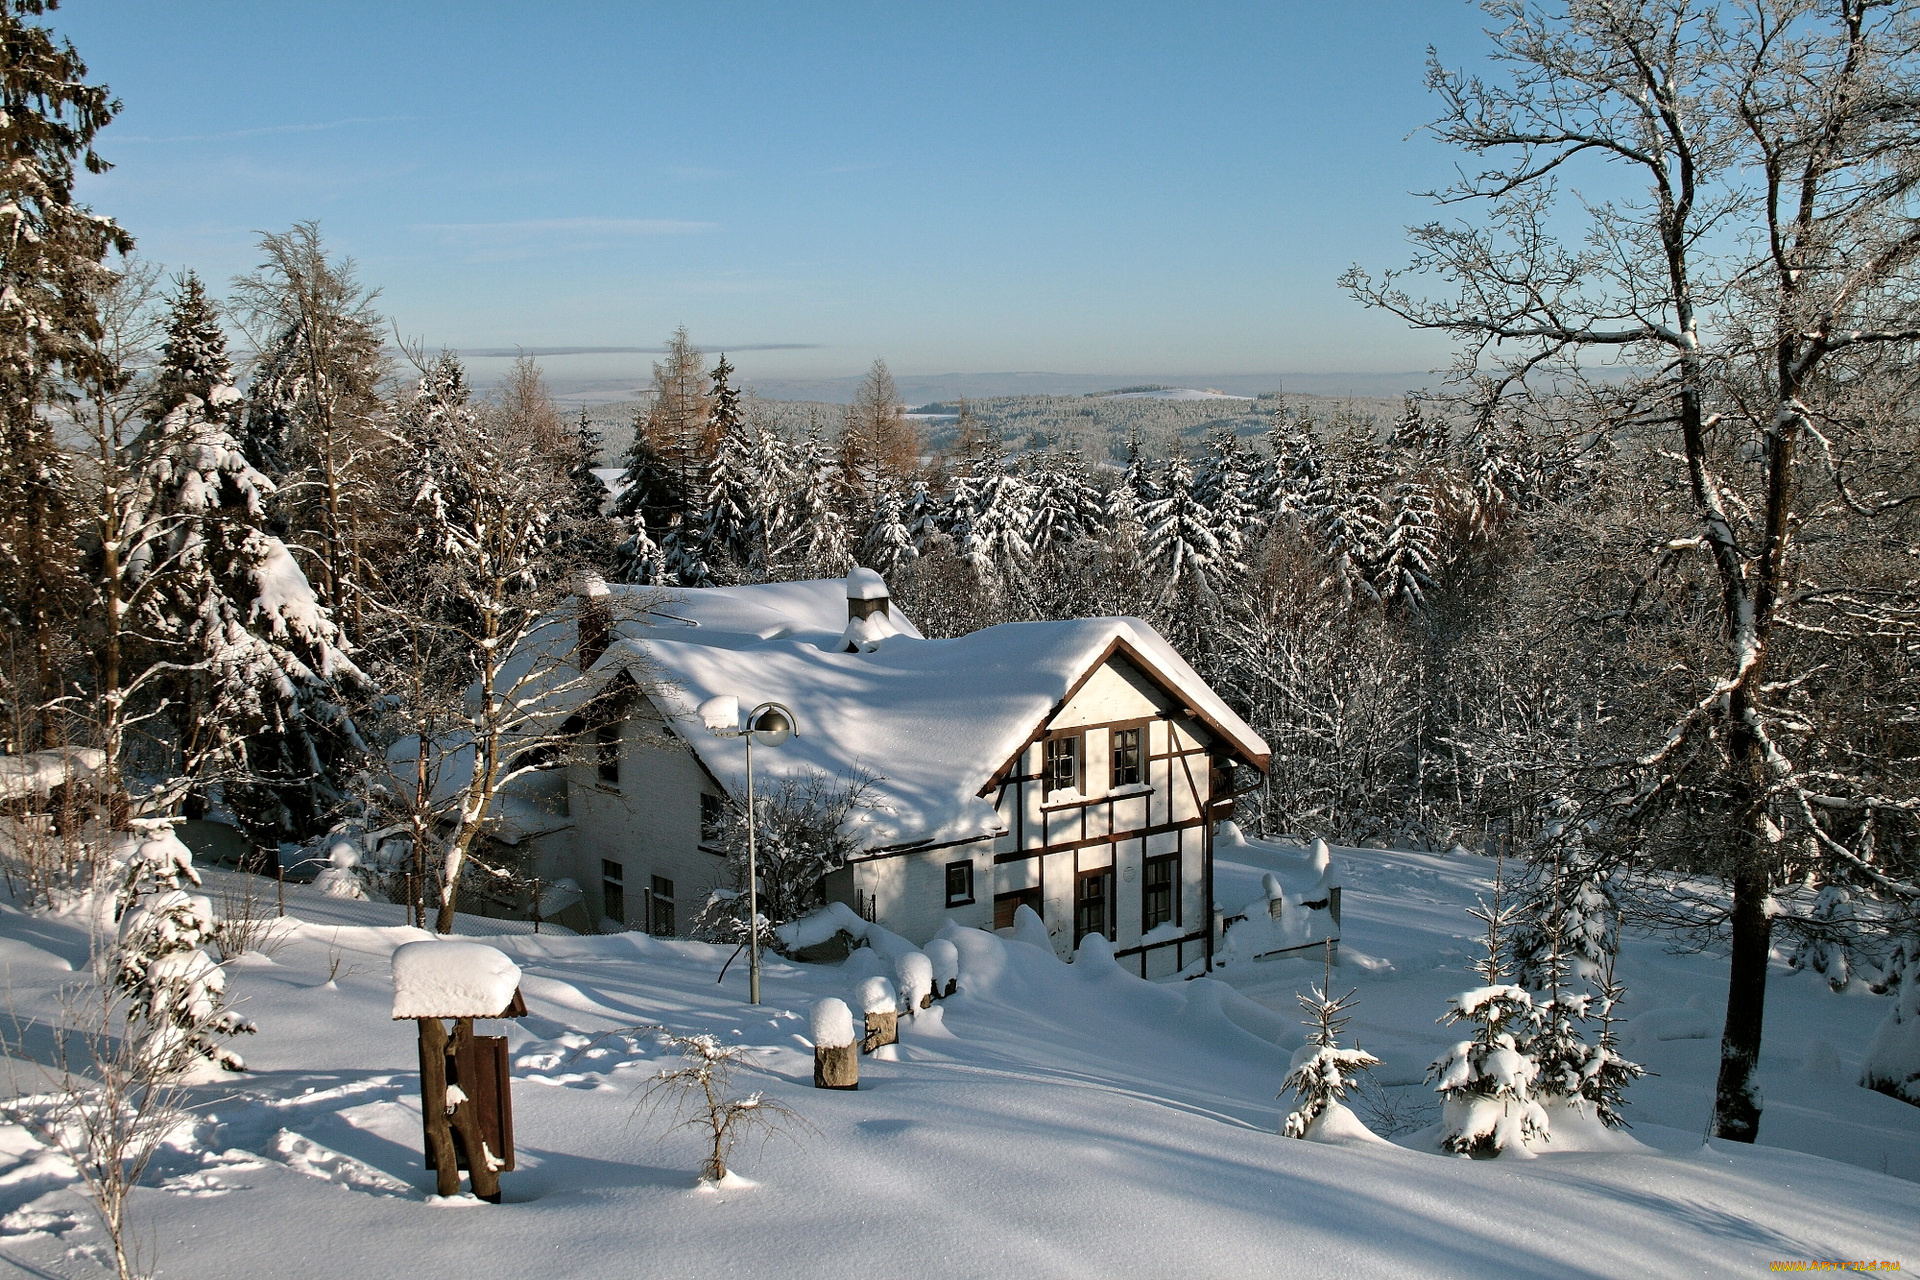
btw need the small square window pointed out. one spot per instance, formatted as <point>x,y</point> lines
<point>1126,757</point>
<point>1063,764</point>
<point>959,883</point>
<point>606,752</point>
<point>713,817</point>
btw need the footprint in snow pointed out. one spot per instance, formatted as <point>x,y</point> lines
<point>304,1155</point>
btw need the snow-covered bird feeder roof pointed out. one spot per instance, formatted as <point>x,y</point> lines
<point>455,980</point>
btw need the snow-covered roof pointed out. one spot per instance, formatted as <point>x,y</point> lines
<point>932,721</point>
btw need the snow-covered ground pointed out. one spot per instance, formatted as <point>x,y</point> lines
<point>1174,393</point>
<point>1049,1120</point>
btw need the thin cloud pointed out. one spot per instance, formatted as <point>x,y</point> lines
<point>531,228</point>
<point>265,130</point>
<point>514,352</point>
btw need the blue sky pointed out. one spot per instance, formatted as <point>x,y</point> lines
<point>1070,187</point>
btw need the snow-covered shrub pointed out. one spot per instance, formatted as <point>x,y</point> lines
<point>161,964</point>
<point>804,834</point>
<point>1322,1072</point>
<point>1487,1080</point>
<point>1893,1059</point>
<point>701,1090</point>
<point>1825,944</point>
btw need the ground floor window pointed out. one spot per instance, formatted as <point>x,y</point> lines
<point>660,922</point>
<point>613,891</point>
<point>959,883</point>
<point>1006,904</point>
<point>1160,892</point>
<point>1093,905</point>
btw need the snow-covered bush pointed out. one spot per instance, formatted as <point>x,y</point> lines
<point>1322,1072</point>
<point>1893,1060</point>
<point>173,986</point>
<point>1825,945</point>
<point>1487,1080</point>
<point>803,835</point>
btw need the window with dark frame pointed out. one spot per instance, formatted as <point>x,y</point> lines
<point>1093,905</point>
<point>660,922</point>
<point>606,752</point>
<point>1063,763</point>
<point>1126,757</point>
<point>1160,892</point>
<point>713,817</point>
<point>959,883</point>
<point>613,891</point>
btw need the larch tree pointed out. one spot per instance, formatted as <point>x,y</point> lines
<point>1746,236</point>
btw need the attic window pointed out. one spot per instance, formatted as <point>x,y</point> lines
<point>1126,757</point>
<point>1062,771</point>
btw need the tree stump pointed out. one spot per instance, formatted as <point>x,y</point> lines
<point>836,1066</point>
<point>883,1028</point>
<point>953,985</point>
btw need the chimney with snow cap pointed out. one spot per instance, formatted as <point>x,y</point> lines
<point>868,605</point>
<point>867,595</point>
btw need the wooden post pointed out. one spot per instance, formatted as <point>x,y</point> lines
<point>837,1067</point>
<point>882,1028</point>
<point>466,1122</point>
<point>433,1105</point>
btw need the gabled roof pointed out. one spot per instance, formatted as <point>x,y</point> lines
<point>931,721</point>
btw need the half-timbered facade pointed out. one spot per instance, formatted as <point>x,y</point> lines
<point>1073,768</point>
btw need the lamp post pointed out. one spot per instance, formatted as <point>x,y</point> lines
<point>773,724</point>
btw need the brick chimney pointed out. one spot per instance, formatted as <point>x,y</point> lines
<point>867,595</point>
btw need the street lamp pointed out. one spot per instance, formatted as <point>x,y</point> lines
<point>772,723</point>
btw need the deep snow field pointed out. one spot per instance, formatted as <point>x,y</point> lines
<point>1049,1120</point>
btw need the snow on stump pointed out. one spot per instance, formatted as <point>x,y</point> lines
<point>465,1107</point>
<point>882,1009</point>
<point>946,967</point>
<point>915,972</point>
<point>836,1059</point>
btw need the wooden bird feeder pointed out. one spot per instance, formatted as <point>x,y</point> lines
<point>466,1106</point>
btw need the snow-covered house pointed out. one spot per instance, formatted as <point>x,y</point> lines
<point>1077,767</point>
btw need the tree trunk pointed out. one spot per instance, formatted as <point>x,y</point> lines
<point>1736,1103</point>
<point>837,1067</point>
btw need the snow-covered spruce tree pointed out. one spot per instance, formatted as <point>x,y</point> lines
<point>1225,486</point>
<point>1411,546</point>
<point>52,256</point>
<point>251,664</point>
<point>727,520</point>
<point>1487,1080</point>
<point>817,544</point>
<point>1322,1072</point>
<point>649,501</point>
<point>989,514</point>
<point>1568,912</point>
<point>173,986</point>
<point>1603,1085</point>
<point>1065,505</point>
<point>1181,546</point>
<point>1292,476</point>
<point>888,547</point>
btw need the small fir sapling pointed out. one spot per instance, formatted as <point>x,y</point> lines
<point>1322,1072</point>
<point>161,965</point>
<point>1487,1080</point>
<point>915,972</point>
<point>1826,938</point>
<point>945,958</point>
<point>1608,1074</point>
<point>701,1090</point>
